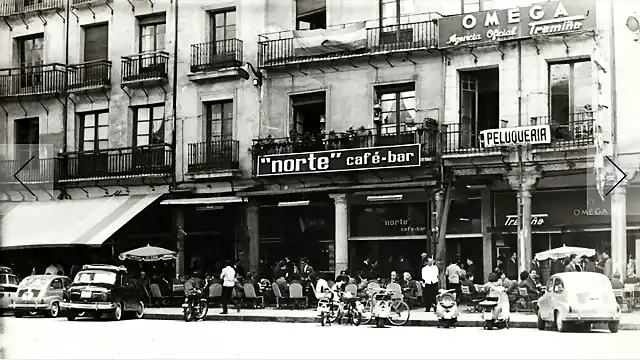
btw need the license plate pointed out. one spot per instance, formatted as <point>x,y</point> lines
<point>85,294</point>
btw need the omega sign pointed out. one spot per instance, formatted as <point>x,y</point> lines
<point>484,27</point>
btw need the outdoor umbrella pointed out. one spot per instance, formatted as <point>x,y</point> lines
<point>563,252</point>
<point>148,253</point>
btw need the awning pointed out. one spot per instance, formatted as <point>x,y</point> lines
<point>88,222</point>
<point>204,201</point>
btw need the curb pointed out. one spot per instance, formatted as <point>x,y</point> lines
<point>313,319</point>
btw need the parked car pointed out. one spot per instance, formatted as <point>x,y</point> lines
<point>8,288</point>
<point>578,299</point>
<point>40,294</point>
<point>103,289</point>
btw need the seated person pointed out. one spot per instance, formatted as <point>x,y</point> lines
<point>468,282</point>
<point>283,286</point>
<point>253,280</point>
<point>616,283</point>
<point>341,284</point>
<point>409,287</point>
<point>528,283</point>
<point>320,285</point>
<point>393,278</point>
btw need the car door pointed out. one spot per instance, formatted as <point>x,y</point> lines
<point>127,292</point>
<point>54,291</point>
<point>558,298</point>
<point>544,301</point>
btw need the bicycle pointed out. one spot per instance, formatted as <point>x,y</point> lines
<point>399,309</point>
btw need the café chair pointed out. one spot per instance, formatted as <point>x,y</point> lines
<point>251,297</point>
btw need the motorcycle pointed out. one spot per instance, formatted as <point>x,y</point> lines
<point>447,308</point>
<point>352,309</point>
<point>495,309</point>
<point>195,305</point>
<point>328,308</point>
<point>381,307</point>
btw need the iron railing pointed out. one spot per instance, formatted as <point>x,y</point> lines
<point>415,32</point>
<point>571,130</point>
<point>36,171</point>
<point>145,66</point>
<point>216,55</point>
<point>362,138</point>
<point>460,138</point>
<point>14,7</point>
<point>88,2</point>
<point>32,80</point>
<point>116,163</point>
<point>89,75</point>
<point>214,155</point>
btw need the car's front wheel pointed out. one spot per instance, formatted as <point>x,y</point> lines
<point>117,312</point>
<point>54,310</point>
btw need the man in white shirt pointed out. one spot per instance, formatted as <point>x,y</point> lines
<point>430,279</point>
<point>228,277</point>
<point>453,278</point>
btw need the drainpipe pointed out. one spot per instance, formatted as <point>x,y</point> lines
<point>65,107</point>
<point>520,244</point>
<point>174,110</point>
<point>614,94</point>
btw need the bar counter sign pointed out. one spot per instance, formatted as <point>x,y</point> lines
<point>516,136</point>
<point>383,157</point>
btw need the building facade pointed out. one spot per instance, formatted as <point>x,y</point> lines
<point>336,131</point>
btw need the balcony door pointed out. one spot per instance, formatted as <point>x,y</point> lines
<point>394,13</point>
<point>94,141</point>
<point>398,114</point>
<point>27,139</point>
<point>570,100</point>
<point>30,50</point>
<point>219,132</point>
<point>479,105</point>
<point>152,40</point>
<point>96,48</point>
<point>149,150</point>
<point>222,25</point>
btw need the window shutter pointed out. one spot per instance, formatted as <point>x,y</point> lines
<point>96,42</point>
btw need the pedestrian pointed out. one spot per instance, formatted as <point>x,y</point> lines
<point>452,273</point>
<point>572,265</point>
<point>607,266</point>
<point>228,277</point>
<point>511,268</point>
<point>430,275</point>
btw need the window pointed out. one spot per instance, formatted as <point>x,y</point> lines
<point>570,99</point>
<point>96,42</point>
<point>479,105</point>
<point>392,11</point>
<point>397,105</point>
<point>223,25</point>
<point>94,131</point>
<point>27,136</point>
<point>149,124</point>
<point>469,6</point>
<point>56,284</point>
<point>152,32</point>
<point>30,51</point>
<point>309,112</point>
<point>311,14</point>
<point>219,121</point>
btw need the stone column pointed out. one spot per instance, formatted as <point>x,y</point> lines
<point>487,244</point>
<point>342,228</point>
<point>253,233</point>
<point>619,230</point>
<point>178,217</point>
<point>524,184</point>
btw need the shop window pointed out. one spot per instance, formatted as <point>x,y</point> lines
<point>479,105</point>
<point>465,217</point>
<point>570,99</point>
<point>397,107</point>
<point>311,14</point>
<point>27,138</point>
<point>403,219</point>
<point>309,111</point>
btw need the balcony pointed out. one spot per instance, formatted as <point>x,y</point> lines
<point>216,55</point>
<point>216,156</point>
<point>415,33</point>
<point>41,80</point>
<point>77,4</point>
<point>462,140</point>
<point>145,69</point>
<point>116,163</point>
<point>40,171</point>
<point>17,7</point>
<point>573,132</point>
<point>428,138</point>
<point>89,76</point>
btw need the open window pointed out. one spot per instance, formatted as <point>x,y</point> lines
<point>311,14</point>
<point>27,139</point>
<point>30,50</point>
<point>309,111</point>
<point>479,105</point>
<point>570,106</point>
<point>397,107</point>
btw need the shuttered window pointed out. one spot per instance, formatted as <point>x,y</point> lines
<point>96,42</point>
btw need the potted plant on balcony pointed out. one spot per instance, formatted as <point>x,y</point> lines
<point>428,134</point>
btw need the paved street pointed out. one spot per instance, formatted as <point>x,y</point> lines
<point>39,338</point>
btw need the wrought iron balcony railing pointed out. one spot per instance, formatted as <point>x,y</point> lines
<point>37,171</point>
<point>152,160</point>
<point>145,67</point>
<point>78,3</point>
<point>460,138</point>
<point>89,75</point>
<point>353,139</point>
<point>214,155</point>
<point>415,32</point>
<point>32,80</point>
<point>216,55</point>
<point>15,7</point>
<point>569,131</point>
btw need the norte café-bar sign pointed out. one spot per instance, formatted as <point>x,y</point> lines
<point>493,26</point>
<point>383,157</point>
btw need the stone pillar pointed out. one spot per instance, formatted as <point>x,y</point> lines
<point>619,230</point>
<point>487,244</point>
<point>524,183</point>
<point>253,233</point>
<point>178,217</point>
<point>342,228</point>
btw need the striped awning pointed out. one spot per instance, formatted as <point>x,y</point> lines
<point>88,222</point>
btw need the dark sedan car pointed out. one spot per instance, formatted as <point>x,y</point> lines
<point>103,289</point>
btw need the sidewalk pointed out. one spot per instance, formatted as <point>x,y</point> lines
<point>418,317</point>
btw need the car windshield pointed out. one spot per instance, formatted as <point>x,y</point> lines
<point>8,280</point>
<point>34,282</point>
<point>95,276</point>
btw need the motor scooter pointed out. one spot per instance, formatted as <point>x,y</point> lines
<point>447,308</point>
<point>195,306</point>
<point>329,309</point>
<point>381,309</point>
<point>495,309</point>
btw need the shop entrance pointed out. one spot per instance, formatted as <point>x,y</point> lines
<point>466,248</point>
<point>387,254</point>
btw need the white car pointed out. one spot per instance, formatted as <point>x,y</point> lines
<point>579,299</point>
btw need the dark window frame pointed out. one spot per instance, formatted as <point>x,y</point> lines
<point>209,121</point>
<point>396,90</point>
<point>96,130</point>
<point>298,100</point>
<point>213,25</point>
<point>84,44</point>
<point>315,19</point>
<point>152,118</point>
<point>152,22</point>
<point>560,129</point>
<point>33,127</point>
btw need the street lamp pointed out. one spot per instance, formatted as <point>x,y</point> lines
<point>633,24</point>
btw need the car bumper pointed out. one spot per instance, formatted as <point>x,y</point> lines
<point>30,307</point>
<point>88,306</point>
<point>591,318</point>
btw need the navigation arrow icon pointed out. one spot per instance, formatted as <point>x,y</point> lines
<point>15,175</point>
<point>617,172</point>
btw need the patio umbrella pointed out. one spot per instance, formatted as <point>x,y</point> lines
<point>148,253</point>
<point>563,252</point>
